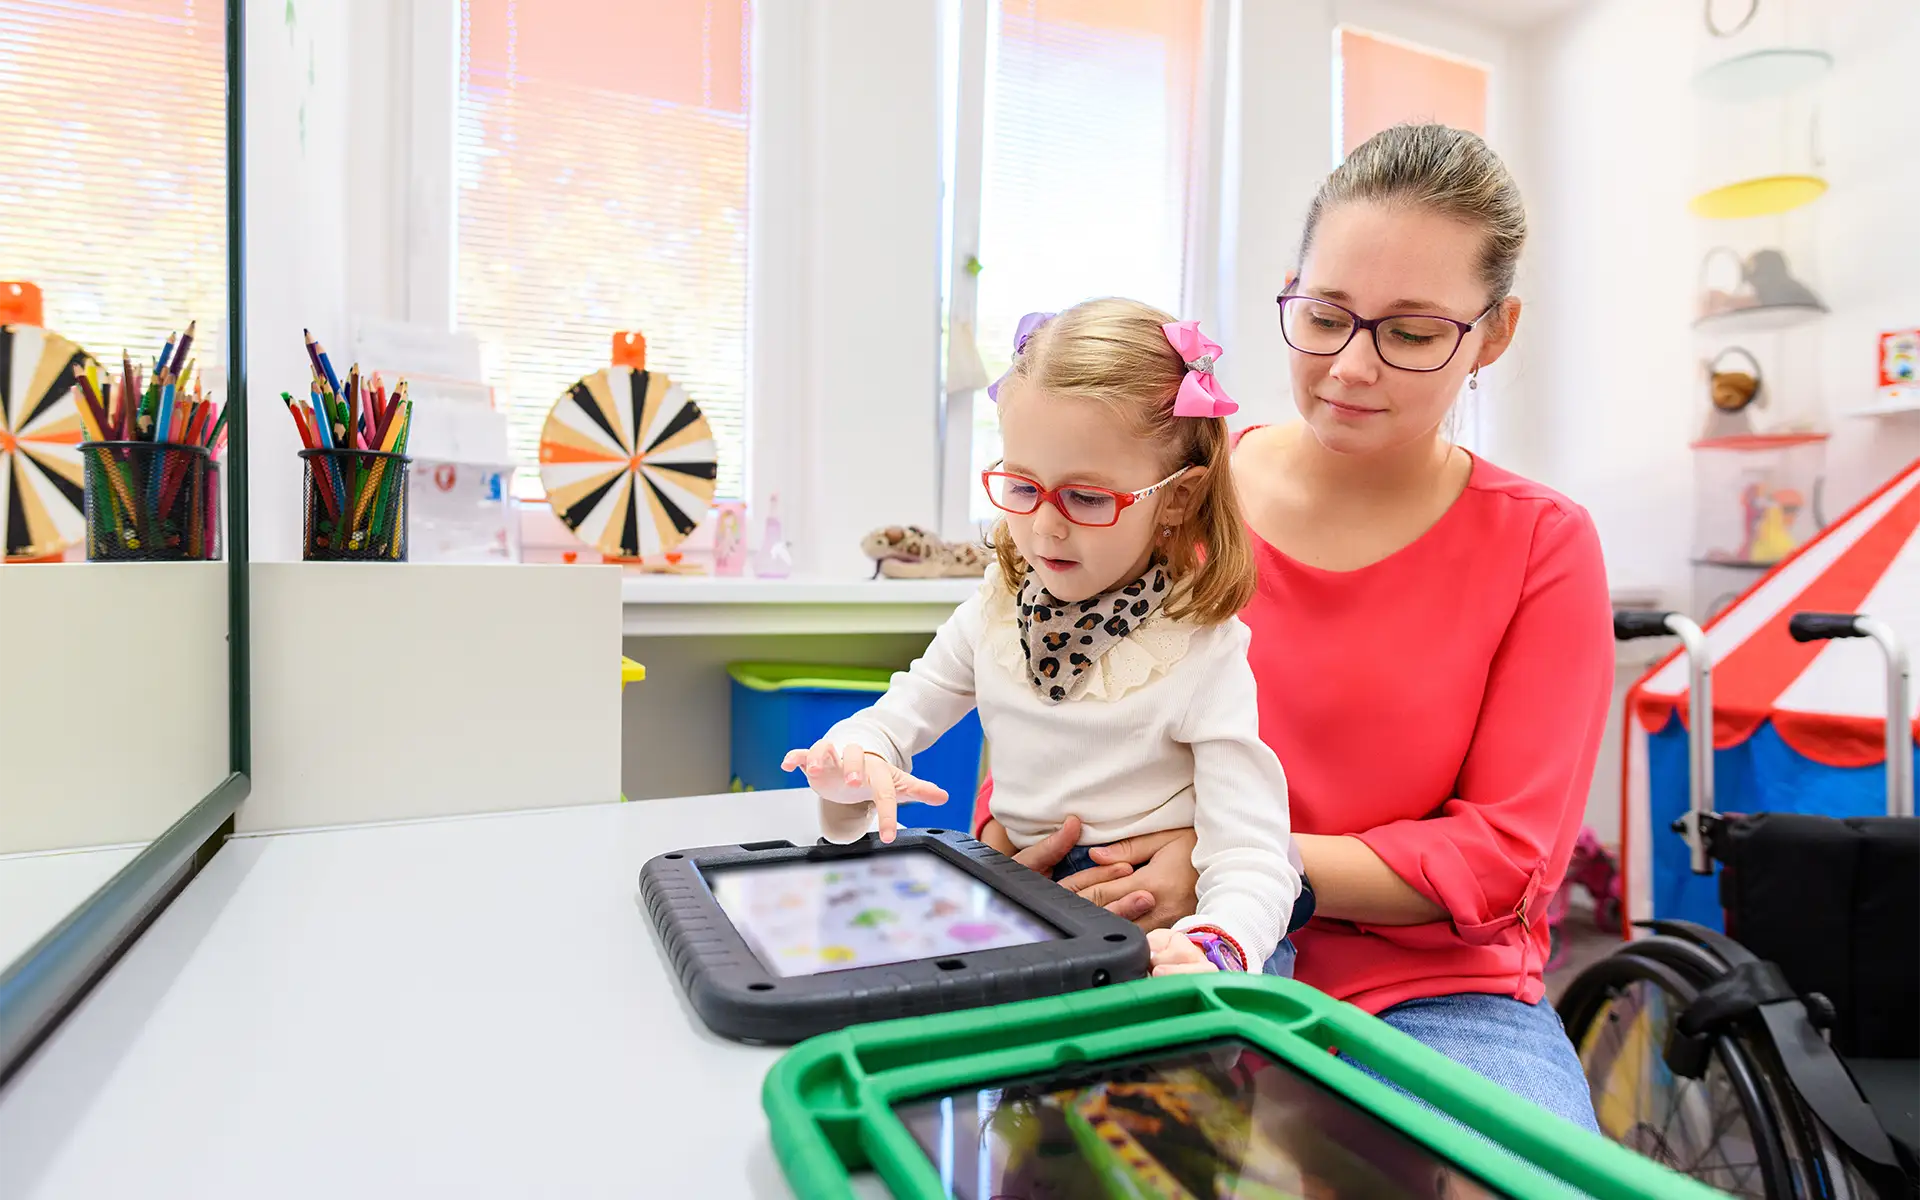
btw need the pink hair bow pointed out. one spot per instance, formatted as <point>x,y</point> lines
<point>1200,393</point>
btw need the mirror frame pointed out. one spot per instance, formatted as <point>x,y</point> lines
<point>40,989</point>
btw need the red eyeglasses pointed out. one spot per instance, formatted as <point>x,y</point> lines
<point>1081,503</point>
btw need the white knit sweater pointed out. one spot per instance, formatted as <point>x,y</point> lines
<point>1162,733</point>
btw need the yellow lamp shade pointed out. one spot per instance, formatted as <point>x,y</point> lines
<point>1761,197</point>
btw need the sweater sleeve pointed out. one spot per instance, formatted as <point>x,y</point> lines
<point>1491,853</point>
<point>919,705</point>
<point>1243,847</point>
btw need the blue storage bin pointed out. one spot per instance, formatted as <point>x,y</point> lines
<point>779,707</point>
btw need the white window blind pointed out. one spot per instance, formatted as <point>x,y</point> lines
<point>603,187</point>
<point>1087,166</point>
<point>113,170</point>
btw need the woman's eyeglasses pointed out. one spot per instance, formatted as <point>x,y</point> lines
<point>1081,503</point>
<point>1411,343</point>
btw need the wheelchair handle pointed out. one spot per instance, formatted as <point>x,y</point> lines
<point>1822,626</point>
<point>1632,623</point>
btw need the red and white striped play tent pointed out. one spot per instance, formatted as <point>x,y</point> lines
<point>1798,727</point>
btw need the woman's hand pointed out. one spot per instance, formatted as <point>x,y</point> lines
<point>1175,954</point>
<point>1152,896</point>
<point>1162,871</point>
<point>853,776</point>
<point>1043,856</point>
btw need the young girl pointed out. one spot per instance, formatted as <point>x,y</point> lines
<point>1102,651</point>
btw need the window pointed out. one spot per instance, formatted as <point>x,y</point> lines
<point>1378,82</point>
<point>90,165</point>
<point>603,187</point>
<point>1085,112</point>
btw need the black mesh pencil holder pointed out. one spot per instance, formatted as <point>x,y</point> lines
<point>145,501</point>
<point>356,506</point>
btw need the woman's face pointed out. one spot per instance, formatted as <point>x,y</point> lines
<point>1378,261</point>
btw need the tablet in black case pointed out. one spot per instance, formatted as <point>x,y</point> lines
<point>776,943</point>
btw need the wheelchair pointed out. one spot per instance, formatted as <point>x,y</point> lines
<point>1778,1059</point>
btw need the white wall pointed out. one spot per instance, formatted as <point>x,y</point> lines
<point>1616,144</point>
<point>845,225</point>
<point>297,240</point>
<point>478,689</point>
<point>1865,246</point>
<point>1607,345</point>
<point>105,739</point>
<point>379,109</point>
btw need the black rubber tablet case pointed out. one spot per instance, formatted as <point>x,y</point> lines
<point>739,998</point>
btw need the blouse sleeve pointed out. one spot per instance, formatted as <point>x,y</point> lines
<point>1243,849</point>
<point>1484,857</point>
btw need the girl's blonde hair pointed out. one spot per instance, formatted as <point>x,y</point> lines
<point>1114,351</point>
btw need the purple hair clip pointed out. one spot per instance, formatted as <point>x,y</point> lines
<point>1029,325</point>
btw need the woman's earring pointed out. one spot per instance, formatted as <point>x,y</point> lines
<point>1166,531</point>
<point>1473,380</point>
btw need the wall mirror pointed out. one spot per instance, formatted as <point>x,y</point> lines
<point>122,473</point>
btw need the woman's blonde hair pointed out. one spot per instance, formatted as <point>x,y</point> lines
<point>1437,169</point>
<point>1115,352</point>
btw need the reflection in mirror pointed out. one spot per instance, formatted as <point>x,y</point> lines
<point>113,340</point>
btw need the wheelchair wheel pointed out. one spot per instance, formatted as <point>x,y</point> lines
<point>1820,1166</point>
<point>1718,1128</point>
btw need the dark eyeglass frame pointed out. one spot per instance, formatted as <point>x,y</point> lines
<point>1046,495</point>
<point>1373,329</point>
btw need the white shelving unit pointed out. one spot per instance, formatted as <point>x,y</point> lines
<point>1905,400</point>
<point>685,605</point>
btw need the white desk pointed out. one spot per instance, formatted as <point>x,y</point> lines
<point>681,605</point>
<point>468,1007</point>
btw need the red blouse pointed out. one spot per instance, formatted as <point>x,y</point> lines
<point>1445,705</point>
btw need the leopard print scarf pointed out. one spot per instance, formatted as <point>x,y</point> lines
<point>1062,640</point>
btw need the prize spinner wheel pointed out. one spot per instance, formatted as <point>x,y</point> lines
<point>40,434</point>
<point>628,462</point>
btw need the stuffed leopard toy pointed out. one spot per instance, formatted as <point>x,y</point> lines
<point>910,552</point>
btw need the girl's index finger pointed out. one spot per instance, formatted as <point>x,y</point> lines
<point>884,801</point>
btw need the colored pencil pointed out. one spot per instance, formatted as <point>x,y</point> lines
<point>218,429</point>
<point>92,416</point>
<point>186,344</point>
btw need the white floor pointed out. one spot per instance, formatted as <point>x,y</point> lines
<point>37,889</point>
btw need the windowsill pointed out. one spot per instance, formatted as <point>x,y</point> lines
<point>683,605</point>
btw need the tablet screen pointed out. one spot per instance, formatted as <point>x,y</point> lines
<point>806,918</point>
<point>1220,1120</point>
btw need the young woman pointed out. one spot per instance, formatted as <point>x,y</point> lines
<point>1431,634</point>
